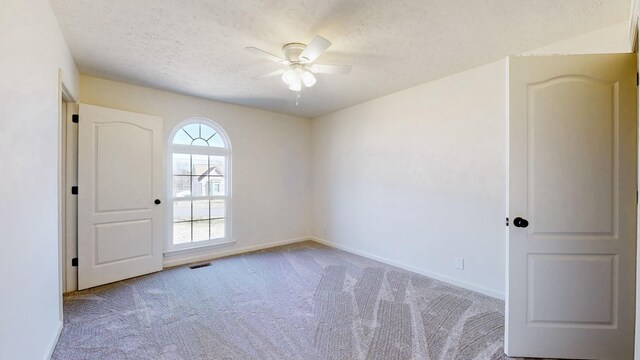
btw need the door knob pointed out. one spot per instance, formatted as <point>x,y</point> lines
<point>520,222</point>
<point>157,202</point>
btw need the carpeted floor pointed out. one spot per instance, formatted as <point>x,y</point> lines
<point>303,301</point>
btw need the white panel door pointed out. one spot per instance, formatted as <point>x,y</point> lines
<point>119,209</point>
<point>572,207</point>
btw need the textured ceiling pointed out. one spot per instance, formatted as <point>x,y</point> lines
<point>196,47</point>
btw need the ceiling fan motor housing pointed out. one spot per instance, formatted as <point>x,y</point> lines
<point>292,52</point>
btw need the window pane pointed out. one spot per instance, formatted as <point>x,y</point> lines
<point>181,211</point>
<point>181,186</point>
<point>216,175</point>
<point>216,141</point>
<point>206,132</point>
<point>181,232</point>
<point>182,138</point>
<point>217,209</point>
<point>193,130</point>
<point>200,209</point>
<point>201,230</point>
<point>217,165</point>
<point>200,142</point>
<point>181,164</point>
<point>216,186</point>
<point>217,228</point>
<point>200,165</point>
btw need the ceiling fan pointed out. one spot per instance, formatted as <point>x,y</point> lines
<point>299,58</point>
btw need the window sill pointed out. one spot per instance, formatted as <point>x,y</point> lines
<point>198,249</point>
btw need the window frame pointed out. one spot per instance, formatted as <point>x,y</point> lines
<point>227,197</point>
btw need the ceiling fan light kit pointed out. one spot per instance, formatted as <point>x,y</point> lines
<point>299,58</point>
<point>307,78</point>
<point>298,75</point>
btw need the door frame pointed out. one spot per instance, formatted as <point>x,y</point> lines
<point>66,101</point>
<point>70,219</point>
<point>635,43</point>
<point>634,40</point>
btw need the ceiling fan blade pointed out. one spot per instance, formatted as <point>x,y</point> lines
<point>315,48</point>
<point>266,55</point>
<point>330,69</point>
<point>269,74</point>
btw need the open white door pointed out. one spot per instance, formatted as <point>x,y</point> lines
<point>572,176</point>
<point>119,210</point>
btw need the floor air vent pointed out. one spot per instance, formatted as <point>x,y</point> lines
<point>197,266</point>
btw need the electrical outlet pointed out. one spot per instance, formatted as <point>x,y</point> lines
<point>459,263</point>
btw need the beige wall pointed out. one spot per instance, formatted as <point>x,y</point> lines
<point>270,159</point>
<point>418,178</point>
<point>610,39</point>
<point>32,53</point>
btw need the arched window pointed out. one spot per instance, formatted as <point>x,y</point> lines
<point>200,179</point>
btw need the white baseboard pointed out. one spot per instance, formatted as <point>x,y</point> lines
<point>54,341</point>
<point>208,254</point>
<point>452,281</point>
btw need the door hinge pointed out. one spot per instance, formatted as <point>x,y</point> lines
<point>74,190</point>
<point>506,222</point>
<point>75,118</point>
<point>74,262</point>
